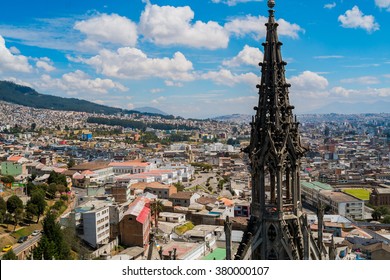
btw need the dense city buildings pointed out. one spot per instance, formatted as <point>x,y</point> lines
<point>144,186</point>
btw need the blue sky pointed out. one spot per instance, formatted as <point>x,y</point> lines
<point>196,58</point>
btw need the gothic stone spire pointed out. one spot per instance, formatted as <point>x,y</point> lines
<point>275,146</point>
<point>277,228</point>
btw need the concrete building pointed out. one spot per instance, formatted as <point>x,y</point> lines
<point>121,192</point>
<point>14,166</point>
<point>134,228</point>
<point>92,222</point>
<point>310,191</point>
<point>94,172</point>
<point>162,191</point>
<point>380,196</point>
<point>172,217</point>
<point>184,199</point>
<point>131,167</point>
<point>343,204</point>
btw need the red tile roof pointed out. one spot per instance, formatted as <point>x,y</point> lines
<point>14,158</point>
<point>129,163</point>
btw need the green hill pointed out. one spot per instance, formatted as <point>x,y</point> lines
<point>26,96</point>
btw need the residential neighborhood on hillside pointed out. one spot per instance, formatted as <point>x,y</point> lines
<point>127,193</point>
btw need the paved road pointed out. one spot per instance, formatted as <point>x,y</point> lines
<point>19,247</point>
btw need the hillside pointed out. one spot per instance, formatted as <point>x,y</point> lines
<point>26,96</point>
<point>234,118</point>
<point>150,110</point>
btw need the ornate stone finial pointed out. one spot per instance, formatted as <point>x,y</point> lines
<point>271,4</point>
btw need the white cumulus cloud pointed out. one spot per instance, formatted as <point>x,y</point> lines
<point>365,80</point>
<point>255,26</point>
<point>308,81</point>
<point>330,5</point>
<point>233,2</point>
<point>45,63</point>
<point>167,25</point>
<point>383,4</point>
<point>226,77</point>
<point>132,63</point>
<point>355,18</point>
<point>106,28</point>
<point>14,50</point>
<point>11,62</point>
<point>247,56</point>
<point>169,83</point>
<point>78,82</point>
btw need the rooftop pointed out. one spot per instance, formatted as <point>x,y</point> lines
<point>182,195</point>
<point>339,196</point>
<point>316,185</point>
<point>93,165</point>
<point>129,163</point>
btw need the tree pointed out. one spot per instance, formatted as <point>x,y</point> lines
<point>51,190</point>
<point>75,243</point>
<point>157,207</point>
<point>59,179</point>
<point>3,209</point>
<point>18,216</point>
<point>31,210</point>
<point>376,215</point>
<point>10,255</point>
<point>38,199</point>
<point>386,219</point>
<point>179,186</point>
<point>33,126</point>
<point>13,203</point>
<point>52,244</point>
<point>71,163</point>
<point>383,210</point>
<point>8,179</point>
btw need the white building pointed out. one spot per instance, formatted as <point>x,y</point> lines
<point>92,222</point>
<point>131,167</point>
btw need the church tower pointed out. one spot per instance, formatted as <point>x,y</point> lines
<point>278,228</point>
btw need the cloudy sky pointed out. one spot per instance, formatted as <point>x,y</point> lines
<point>195,58</point>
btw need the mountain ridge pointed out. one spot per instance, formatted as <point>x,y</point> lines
<point>27,96</point>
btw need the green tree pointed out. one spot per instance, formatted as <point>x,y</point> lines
<point>51,190</point>
<point>59,179</point>
<point>31,210</point>
<point>75,243</point>
<point>157,207</point>
<point>8,179</point>
<point>383,210</point>
<point>13,203</point>
<point>376,215</point>
<point>71,163</point>
<point>10,255</point>
<point>18,216</point>
<point>52,244</point>
<point>179,186</point>
<point>38,199</point>
<point>386,219</point>
<point>3,209</point>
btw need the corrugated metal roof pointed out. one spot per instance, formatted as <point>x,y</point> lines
<point>143,215</point>
<point>316,185</point>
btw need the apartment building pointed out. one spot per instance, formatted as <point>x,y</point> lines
<point>92,222</point>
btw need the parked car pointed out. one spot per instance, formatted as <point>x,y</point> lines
<point>7,248</point>
<point>35,232</point>
<point>22,239</point>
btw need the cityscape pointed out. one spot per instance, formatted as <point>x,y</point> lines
<point>268,182</point>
